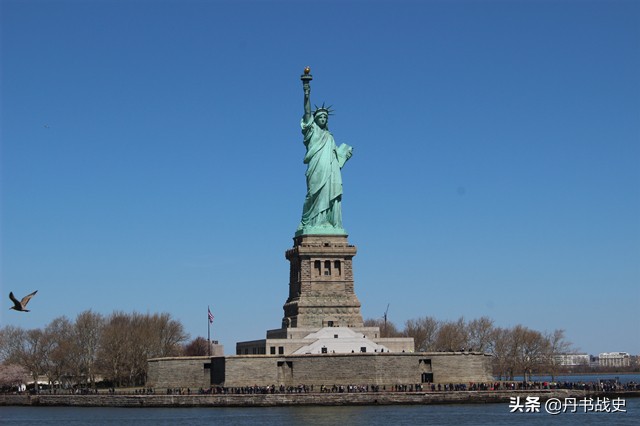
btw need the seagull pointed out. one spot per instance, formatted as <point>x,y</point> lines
<point>22,304</point>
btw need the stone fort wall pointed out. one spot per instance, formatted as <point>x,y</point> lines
<point>383,369</point>
<point>188,372</point>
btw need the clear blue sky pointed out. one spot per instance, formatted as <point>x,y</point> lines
<point>152,159</point>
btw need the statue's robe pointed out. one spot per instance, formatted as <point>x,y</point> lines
<point>322,205</point>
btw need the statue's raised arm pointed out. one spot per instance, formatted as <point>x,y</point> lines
<point>322,211</point>
<point>306,86</point>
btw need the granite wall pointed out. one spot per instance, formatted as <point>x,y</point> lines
<point>383,369</point>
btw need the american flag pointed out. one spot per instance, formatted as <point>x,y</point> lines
<point>210,316</point>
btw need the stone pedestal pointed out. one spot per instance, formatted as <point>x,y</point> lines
<point>321,292</point>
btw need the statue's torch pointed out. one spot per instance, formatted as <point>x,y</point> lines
<point>306,79</point>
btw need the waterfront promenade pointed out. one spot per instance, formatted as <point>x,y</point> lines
<point>299,399</point>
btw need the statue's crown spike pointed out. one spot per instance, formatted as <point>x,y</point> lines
<point>326,109</point>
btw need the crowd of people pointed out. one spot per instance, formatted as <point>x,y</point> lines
<point>593,386</point>
<point>602,386</point>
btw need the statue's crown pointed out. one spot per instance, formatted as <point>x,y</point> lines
<point>323,109</point>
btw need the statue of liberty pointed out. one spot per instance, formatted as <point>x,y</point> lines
<point>321,212</point>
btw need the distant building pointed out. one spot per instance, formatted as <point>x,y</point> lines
<point>572,360</point>
<point>614,359</point>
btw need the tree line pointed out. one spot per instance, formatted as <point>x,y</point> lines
<point>112,348</point>
<point>517,351</point>
<point>115,348</point>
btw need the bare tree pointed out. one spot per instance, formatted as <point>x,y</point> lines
<point>116,347</point>
<point>500,347</point>
<point>424,331</point>
<point>31,353</point>
<point>528,350</point>
<point>11,343</point>
<point>452,336</point>
<point>163,337</point>
<point>57,345</point>
<point>87,336</point>
<point>556,345</point>
<point>479,332</point>
<point>197,347</point>
<point>128,340</point>
<point>113,347</point>
<point>168,335</point>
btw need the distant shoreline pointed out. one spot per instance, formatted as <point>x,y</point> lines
<point>301,399</point>
<point>615,373</point>
<point>599,373</point>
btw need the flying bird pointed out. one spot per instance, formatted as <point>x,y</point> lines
<point>21,305</point>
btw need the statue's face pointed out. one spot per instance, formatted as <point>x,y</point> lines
<point>321,120</point>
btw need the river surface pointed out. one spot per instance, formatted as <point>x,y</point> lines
<point>476,414</point>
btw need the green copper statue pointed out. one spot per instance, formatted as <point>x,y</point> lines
<point>322,212</point>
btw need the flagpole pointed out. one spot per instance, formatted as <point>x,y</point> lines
<point>208,330</point>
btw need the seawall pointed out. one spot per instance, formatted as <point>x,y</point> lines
<point>296,399</point>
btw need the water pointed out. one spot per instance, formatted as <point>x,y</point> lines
<point>460,415</point>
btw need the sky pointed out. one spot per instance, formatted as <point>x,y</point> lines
<point>151,159</point>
